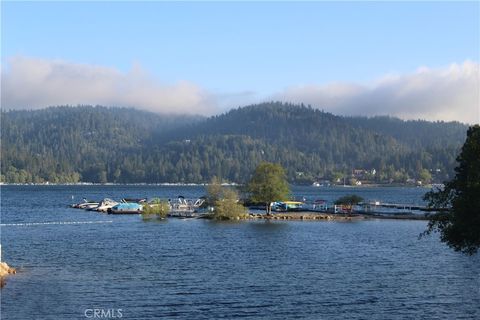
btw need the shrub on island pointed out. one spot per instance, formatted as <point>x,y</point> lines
<point>156,208</point>
<point>225,202</point>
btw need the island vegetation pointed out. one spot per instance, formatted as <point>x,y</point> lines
<point>225,202</point>
<point>268,184</point>
<point>228,206</point>
<point>157,208</point>
<point>459,225</point>
<point>116,145</point>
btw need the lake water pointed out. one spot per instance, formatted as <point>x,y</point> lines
<point>196,269</point>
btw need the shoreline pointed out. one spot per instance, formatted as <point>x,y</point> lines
<point>305,215</point>
<point>233,184</point>
<point>5,270</point>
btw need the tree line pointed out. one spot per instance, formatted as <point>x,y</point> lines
<point>100,144</point>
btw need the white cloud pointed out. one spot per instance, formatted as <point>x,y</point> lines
<point>450,93</point>
<point>29,83</point>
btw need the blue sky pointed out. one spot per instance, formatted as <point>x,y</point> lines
<point>246,51</point>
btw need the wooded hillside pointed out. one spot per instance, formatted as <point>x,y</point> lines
<point>100,144</point>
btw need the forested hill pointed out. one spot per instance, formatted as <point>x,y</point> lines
<point>99,144</point>
<point>414,133</point>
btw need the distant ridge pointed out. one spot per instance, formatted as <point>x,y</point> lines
<point>100,144</point>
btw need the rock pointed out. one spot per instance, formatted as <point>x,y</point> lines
<point>6,270</point>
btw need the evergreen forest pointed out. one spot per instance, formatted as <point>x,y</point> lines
<point>99,144</point>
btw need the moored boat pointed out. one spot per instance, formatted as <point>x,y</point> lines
<point>126,208</point>
<point>134,200</point>
<point>185,208</point>
<point>284,206</point>
<point>105,204</point>
<point>85,204</point>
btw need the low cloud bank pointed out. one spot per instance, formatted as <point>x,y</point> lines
<point>29,83</point>
<point>451,93</point>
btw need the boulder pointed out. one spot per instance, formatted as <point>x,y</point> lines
<point>6,270</point>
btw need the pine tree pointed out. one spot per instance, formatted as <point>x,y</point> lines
<point>459,226</point>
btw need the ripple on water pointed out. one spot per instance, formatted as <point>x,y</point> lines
<point>202,269</point>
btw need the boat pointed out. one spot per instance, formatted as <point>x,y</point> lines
<point>185,208</point>
<point>105,204</point>
<point>85,204</point>
<point>126,208</point>
<point>287,206</point>
<point>184,214</point>
<point>134,200</point>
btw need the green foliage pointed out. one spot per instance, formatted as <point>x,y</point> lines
<point>335,176</point>
<point>459,227</point>
<point>225,201</point>
<point>227,207</point>
<point>268,184</point>
<point>158,208</point>
<point>425,176</point>
<point>350,200</point>
<point>214,191</point>
<point>98,144</point>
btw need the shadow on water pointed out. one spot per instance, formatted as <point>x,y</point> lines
<point>256,226</point>
<point>267,225</point>
<point>226,222</point>
<point>154,220</point>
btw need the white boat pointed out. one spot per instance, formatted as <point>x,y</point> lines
<point>182,207</point>
<point>86,204</point>
<point>126,208</point>
<point>105,204</point>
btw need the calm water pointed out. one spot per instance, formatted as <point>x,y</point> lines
<point>195,269</point>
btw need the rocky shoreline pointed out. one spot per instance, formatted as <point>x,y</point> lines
<point>5,270</point>
<point>330,217</point>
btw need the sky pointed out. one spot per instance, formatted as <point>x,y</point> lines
<point>414,60</point>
